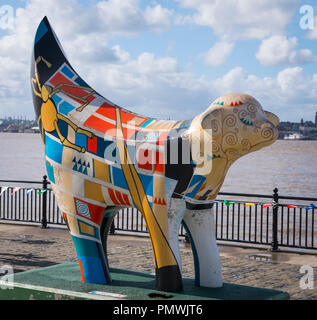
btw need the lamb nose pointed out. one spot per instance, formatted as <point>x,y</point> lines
<point>267,125</point>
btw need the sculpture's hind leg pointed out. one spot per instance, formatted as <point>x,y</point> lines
<point>200,227</point>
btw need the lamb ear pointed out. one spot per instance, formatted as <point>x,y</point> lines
<point>212,120</point>
<point>272,118</point>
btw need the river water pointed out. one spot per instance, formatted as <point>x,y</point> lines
<point>289,165</point>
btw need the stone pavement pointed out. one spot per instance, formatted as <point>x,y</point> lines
<point>29,247</point>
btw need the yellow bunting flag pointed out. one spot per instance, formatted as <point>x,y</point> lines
<point>249,204</point>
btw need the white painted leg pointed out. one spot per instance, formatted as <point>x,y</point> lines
<point>200,224</point>
<point>176,213</point>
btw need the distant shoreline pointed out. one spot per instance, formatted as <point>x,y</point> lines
<point>24,131</point>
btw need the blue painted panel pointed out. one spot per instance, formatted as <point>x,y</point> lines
<point>67,72</point>
<point>93,270</point>
<point>41,31</point>
<point>198,180</point>
<point>81,140</point>
<point>118,178</point>
<point>50,172</point>
<point>146,123</point>
<point>53,149</point>
<point>147,182</point>
<point>56,99</point>
<point>65,108</point>
<point>89,255</point>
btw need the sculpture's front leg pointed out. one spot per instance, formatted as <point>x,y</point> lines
<point>84,221</point>
<point>200,227</point>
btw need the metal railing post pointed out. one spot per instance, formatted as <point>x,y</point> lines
<point>44,202</point>
<point>274,246</point>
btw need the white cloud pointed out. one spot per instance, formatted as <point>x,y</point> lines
<point>242,18</point>
<point>218,54</point>
<point>290,93</point>
<point>98,22</point>
<point>125,17</point>
<point>280,50</point>
<point>158,18</point>
<point>150,85</point>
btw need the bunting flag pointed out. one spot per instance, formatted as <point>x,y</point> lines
<point>41,191</point>
<point>28,191</point>
<point>249,204</point>
<point>312,206</point>
<point>292,207</point>
<point>267,205</point>
<point>3,189</point>
<point>228,203</point>
<point>15,190</point>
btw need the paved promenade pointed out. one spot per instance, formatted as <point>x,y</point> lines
<point>27,247</point>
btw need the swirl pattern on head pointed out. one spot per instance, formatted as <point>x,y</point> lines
<point>230,139</point>
<point>215,147</point>
<point>246,144</point>
<point>242,114</point>
<point>252,108</point>
<point>215,126</point>
<point>267,133</point>
<point>230,120</point>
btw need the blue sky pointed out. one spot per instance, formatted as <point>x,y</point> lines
<point>171,58</point>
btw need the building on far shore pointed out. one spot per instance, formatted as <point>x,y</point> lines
<point>9,124</point>
<point>303,130</point>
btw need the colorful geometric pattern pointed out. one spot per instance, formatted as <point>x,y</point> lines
<point>101,158</point>
<point>81,166</point>
<point>82,209</point>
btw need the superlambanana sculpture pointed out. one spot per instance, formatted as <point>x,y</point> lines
<point>101,158</point>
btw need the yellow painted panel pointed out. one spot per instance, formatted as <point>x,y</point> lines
<point>85,228</point>
<point>93,191</point>
<point>101,170</point>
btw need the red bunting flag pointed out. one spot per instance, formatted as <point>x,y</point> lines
<point>15,190</point>
<point>267,205</point>
<point>292,207</point>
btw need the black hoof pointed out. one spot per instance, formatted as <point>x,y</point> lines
<point>169,279</point>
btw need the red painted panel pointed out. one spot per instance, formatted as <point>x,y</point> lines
<point>60,79</point>
<point>112,196</point>
<point>101,125</point>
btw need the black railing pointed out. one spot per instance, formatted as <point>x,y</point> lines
<point>256,219</point>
